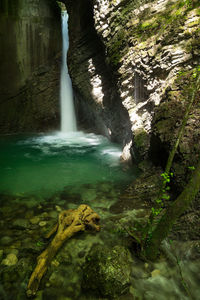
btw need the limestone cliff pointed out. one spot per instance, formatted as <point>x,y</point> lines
<point>137,58</point>
<point>30,41</point>
<point>98,100</point>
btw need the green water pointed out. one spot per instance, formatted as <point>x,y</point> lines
<point>44,164</point>
<point>42,175</point>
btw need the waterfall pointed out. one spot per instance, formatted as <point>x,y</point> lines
<point>68,119</point>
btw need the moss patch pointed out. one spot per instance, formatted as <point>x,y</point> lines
<point>116,47</point>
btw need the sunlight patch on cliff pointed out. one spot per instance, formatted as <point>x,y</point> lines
<point>96,82</point>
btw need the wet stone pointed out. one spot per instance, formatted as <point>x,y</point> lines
<point>64,257</point>
<point>63,282</point>
<point>35,220</point>
<point>44,215</point>
<point>88,195</point>
<point>10,260</point>
<point>1,254</point>
<point>11,250</point>
<point>21,224</point>
<point>29,214</point>
<point>31,246</point>
<point>155,273</point>
<point>42,223</point>
<point>105,187</point>
<point>6,240</point>
<point>107,270</point>
<point>58,208</point>
<point>53,214</point>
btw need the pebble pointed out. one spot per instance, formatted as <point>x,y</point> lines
<point>58,208</point>
<point>89,195</point>
<point>55,263</point>
<point>29,214</point>
<point>35,220</point>
<point>53,214</point>
<point>146,265</point>
<point>155,273</point>
<point>44,215</point>
<point>43,223</point>
<point>15,245</point>
<point>10,260</point>
<point>21,223</point>
<point>6,240</point>
<point>11,251</point>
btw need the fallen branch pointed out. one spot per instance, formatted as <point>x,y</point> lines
<point>69,222</point>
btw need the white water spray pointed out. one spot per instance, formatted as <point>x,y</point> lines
<point>68,118</point>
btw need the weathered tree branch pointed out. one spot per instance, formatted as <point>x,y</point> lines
<point>70,222</point>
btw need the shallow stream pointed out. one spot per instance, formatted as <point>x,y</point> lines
<point>44,174</point>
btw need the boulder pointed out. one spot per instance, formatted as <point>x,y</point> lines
<point>107,270</point>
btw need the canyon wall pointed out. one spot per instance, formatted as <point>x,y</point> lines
<point>97,99</point>
<point>30,42</point>
<point>136,61</point>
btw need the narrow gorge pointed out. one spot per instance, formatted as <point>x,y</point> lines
<point>130,72</point>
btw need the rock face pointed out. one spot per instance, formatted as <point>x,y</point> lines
<point>98,101</point>
<point>150,48</point>
<point>29,65</point>
<point>107,271</point>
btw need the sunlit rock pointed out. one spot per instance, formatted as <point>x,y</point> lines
<point>10,260</point>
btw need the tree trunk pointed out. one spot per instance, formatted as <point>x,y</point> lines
<point>173,151</point>
<point>171,215</point>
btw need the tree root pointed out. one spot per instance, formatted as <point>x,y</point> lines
<point>69,222</point>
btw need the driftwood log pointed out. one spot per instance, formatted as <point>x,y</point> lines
<point>69,222</point>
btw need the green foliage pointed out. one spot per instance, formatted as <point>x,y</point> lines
<point>192,168</point>
<point>196,72</point>
<point>168,22</point>
<point>163,196</point>
<point>40,243</point>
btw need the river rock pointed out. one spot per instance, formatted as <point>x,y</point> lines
<point>10,260</point>
<point>107,270</point>
<point>35,220</point>
<point>155,273</point>
<point>88,195</point>
<point>1,254</point>
<point>53,214</point>
<point>43,223</point>
<point>6,240</point>
<point>21,224</point>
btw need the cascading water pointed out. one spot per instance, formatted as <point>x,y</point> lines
<point>68,118</point>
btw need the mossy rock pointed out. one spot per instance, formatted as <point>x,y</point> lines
<point>107,270</point>
<point>141,141</point>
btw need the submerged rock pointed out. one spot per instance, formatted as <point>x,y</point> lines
<point>21,224</point>
<point>43,223</point>
<point>1,254</point>
<point>6,240</point>
<point>89,195</point>
<point>155,273</point>
<point>107,270</point>
<point>10,260</point>
<point>35,220</point>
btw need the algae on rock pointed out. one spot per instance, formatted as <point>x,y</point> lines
<point>107,270</point>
